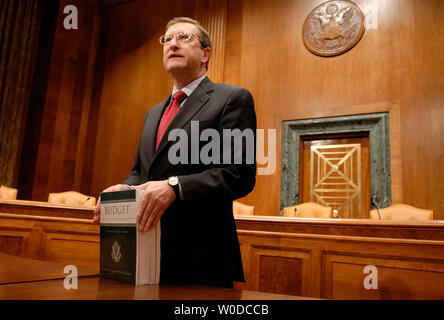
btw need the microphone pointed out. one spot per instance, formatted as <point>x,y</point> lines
<point>336,213</point>
<point>373,204</point>
<point>86,200</point>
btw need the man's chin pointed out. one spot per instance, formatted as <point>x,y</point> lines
<point>175,67</point>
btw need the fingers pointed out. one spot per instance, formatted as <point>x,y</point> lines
<point>96,217</point>
<point>148,219</point>
<point>145,207</point>
<point>149,212</point>
<point>142,206</point>
<point>157,198</point>
<point>145,210</point>
<point>156,217</point>
<point>97,208</point>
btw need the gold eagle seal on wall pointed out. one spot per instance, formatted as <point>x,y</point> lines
<point>333,28</point>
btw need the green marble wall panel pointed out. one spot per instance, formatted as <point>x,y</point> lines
<point>375,124</point>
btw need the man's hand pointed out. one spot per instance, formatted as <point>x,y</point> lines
<point>157,198</point>
<point>117,187</point>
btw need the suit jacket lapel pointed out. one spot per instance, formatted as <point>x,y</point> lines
<point>153,121</point>
<point>194,103</point>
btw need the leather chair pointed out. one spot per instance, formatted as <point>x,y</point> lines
<point>71,197</point>
<point>401,212</point>
<point>8,193</point>
<point>242,209</point>
<point>308,210</point>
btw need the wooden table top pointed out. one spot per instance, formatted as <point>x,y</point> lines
<point>15,269</point>
<point>96,288</point>
<point>28,279</point>
<point>46,209</point>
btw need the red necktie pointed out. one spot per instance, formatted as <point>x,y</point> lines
<point>169,114</point>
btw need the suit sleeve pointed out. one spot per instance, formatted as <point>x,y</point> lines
<point>234,180</point>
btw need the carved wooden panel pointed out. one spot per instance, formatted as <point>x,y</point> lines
<point>325,258</point>
<point>11,244</point>
<point>64,248</point>
<point>279,270</point>
<point>393,278</point>
<point>63,240</point>
<point>280,274</point>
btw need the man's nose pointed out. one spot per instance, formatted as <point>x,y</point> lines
<point>174,43</point>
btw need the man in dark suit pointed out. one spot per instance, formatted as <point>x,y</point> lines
<point>192,198</point>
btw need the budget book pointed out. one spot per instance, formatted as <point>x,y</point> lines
<point>126,253</point>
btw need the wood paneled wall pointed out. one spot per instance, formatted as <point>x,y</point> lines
<point>59,136</point>
<point>396,62</point>
<point>399,62</point>
<point>213,16</point>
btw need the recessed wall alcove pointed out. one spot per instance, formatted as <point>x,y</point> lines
<point>375,124</point>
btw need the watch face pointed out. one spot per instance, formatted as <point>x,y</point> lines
<point>173,181</point>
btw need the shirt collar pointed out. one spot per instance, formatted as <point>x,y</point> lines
<point>189,88</point>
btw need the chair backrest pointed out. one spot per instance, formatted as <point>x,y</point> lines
<point>402,212</point>
<point>242,209</point>
<point>71,197</point>
<point>8,193</point>
<point>308,210</point>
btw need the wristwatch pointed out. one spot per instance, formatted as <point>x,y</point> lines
<point>174,183</point>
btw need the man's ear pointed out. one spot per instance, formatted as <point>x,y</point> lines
<point>206,54</point>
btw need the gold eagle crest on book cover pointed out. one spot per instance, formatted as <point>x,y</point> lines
<point>333,28</point>
<point>115,252</point>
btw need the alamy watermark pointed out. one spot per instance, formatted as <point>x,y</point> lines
<point>72,18</point>
<point>371,16</point>
<point>371,281</point>
<point>231,146</point>
<point>71,280</point>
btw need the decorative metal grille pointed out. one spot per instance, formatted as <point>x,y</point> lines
<point>335,178</point>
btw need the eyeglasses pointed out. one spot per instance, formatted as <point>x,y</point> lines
<point>180,37</point>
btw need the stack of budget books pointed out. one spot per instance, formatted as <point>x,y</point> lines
<point>127,254</point>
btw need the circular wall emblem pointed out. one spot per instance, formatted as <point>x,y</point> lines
<point>333,28</point>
